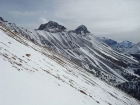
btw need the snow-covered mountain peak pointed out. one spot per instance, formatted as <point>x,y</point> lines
<point>107,41</point>
<point>37,75</point>
<point>84,50</point>
<point>82,29</point>
<point>135,49</point>
<point>53,23</point>
<point>125,41</point>
<point>127,44</point>
<point>127,47</point>
<point>51,26</point>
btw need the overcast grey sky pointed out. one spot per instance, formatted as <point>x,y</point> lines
<point>115,19</point>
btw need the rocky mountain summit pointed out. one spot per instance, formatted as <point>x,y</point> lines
<point>52,26</point>
<point>82,30</point>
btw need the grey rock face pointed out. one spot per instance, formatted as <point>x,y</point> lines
<point>82,30</point>
<point>51,26</point>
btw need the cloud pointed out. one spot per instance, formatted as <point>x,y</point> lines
<point>101,17</point>
<point>44,11</point>
<point>43,20</point>
<point>112,16</point>
<point>23,13</point>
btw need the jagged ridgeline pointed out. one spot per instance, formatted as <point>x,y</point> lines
<point>84,49</point>
<point>126,47</point>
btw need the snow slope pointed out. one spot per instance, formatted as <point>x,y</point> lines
<point>82,48</point>
<point>35,75</point>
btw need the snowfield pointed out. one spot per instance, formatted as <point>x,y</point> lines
<point>34,75</point>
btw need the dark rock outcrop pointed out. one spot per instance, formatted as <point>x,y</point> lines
<point>51,26</point>
<point>81,30</point>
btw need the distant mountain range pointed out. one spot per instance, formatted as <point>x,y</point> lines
<point>124,47</point>
<point>101,57</point>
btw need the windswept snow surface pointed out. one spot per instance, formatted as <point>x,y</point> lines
<point>34,75</point>
<point>84,48</point>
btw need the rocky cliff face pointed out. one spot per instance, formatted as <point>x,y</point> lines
<point>82,30</point>
<point>51,26</point>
